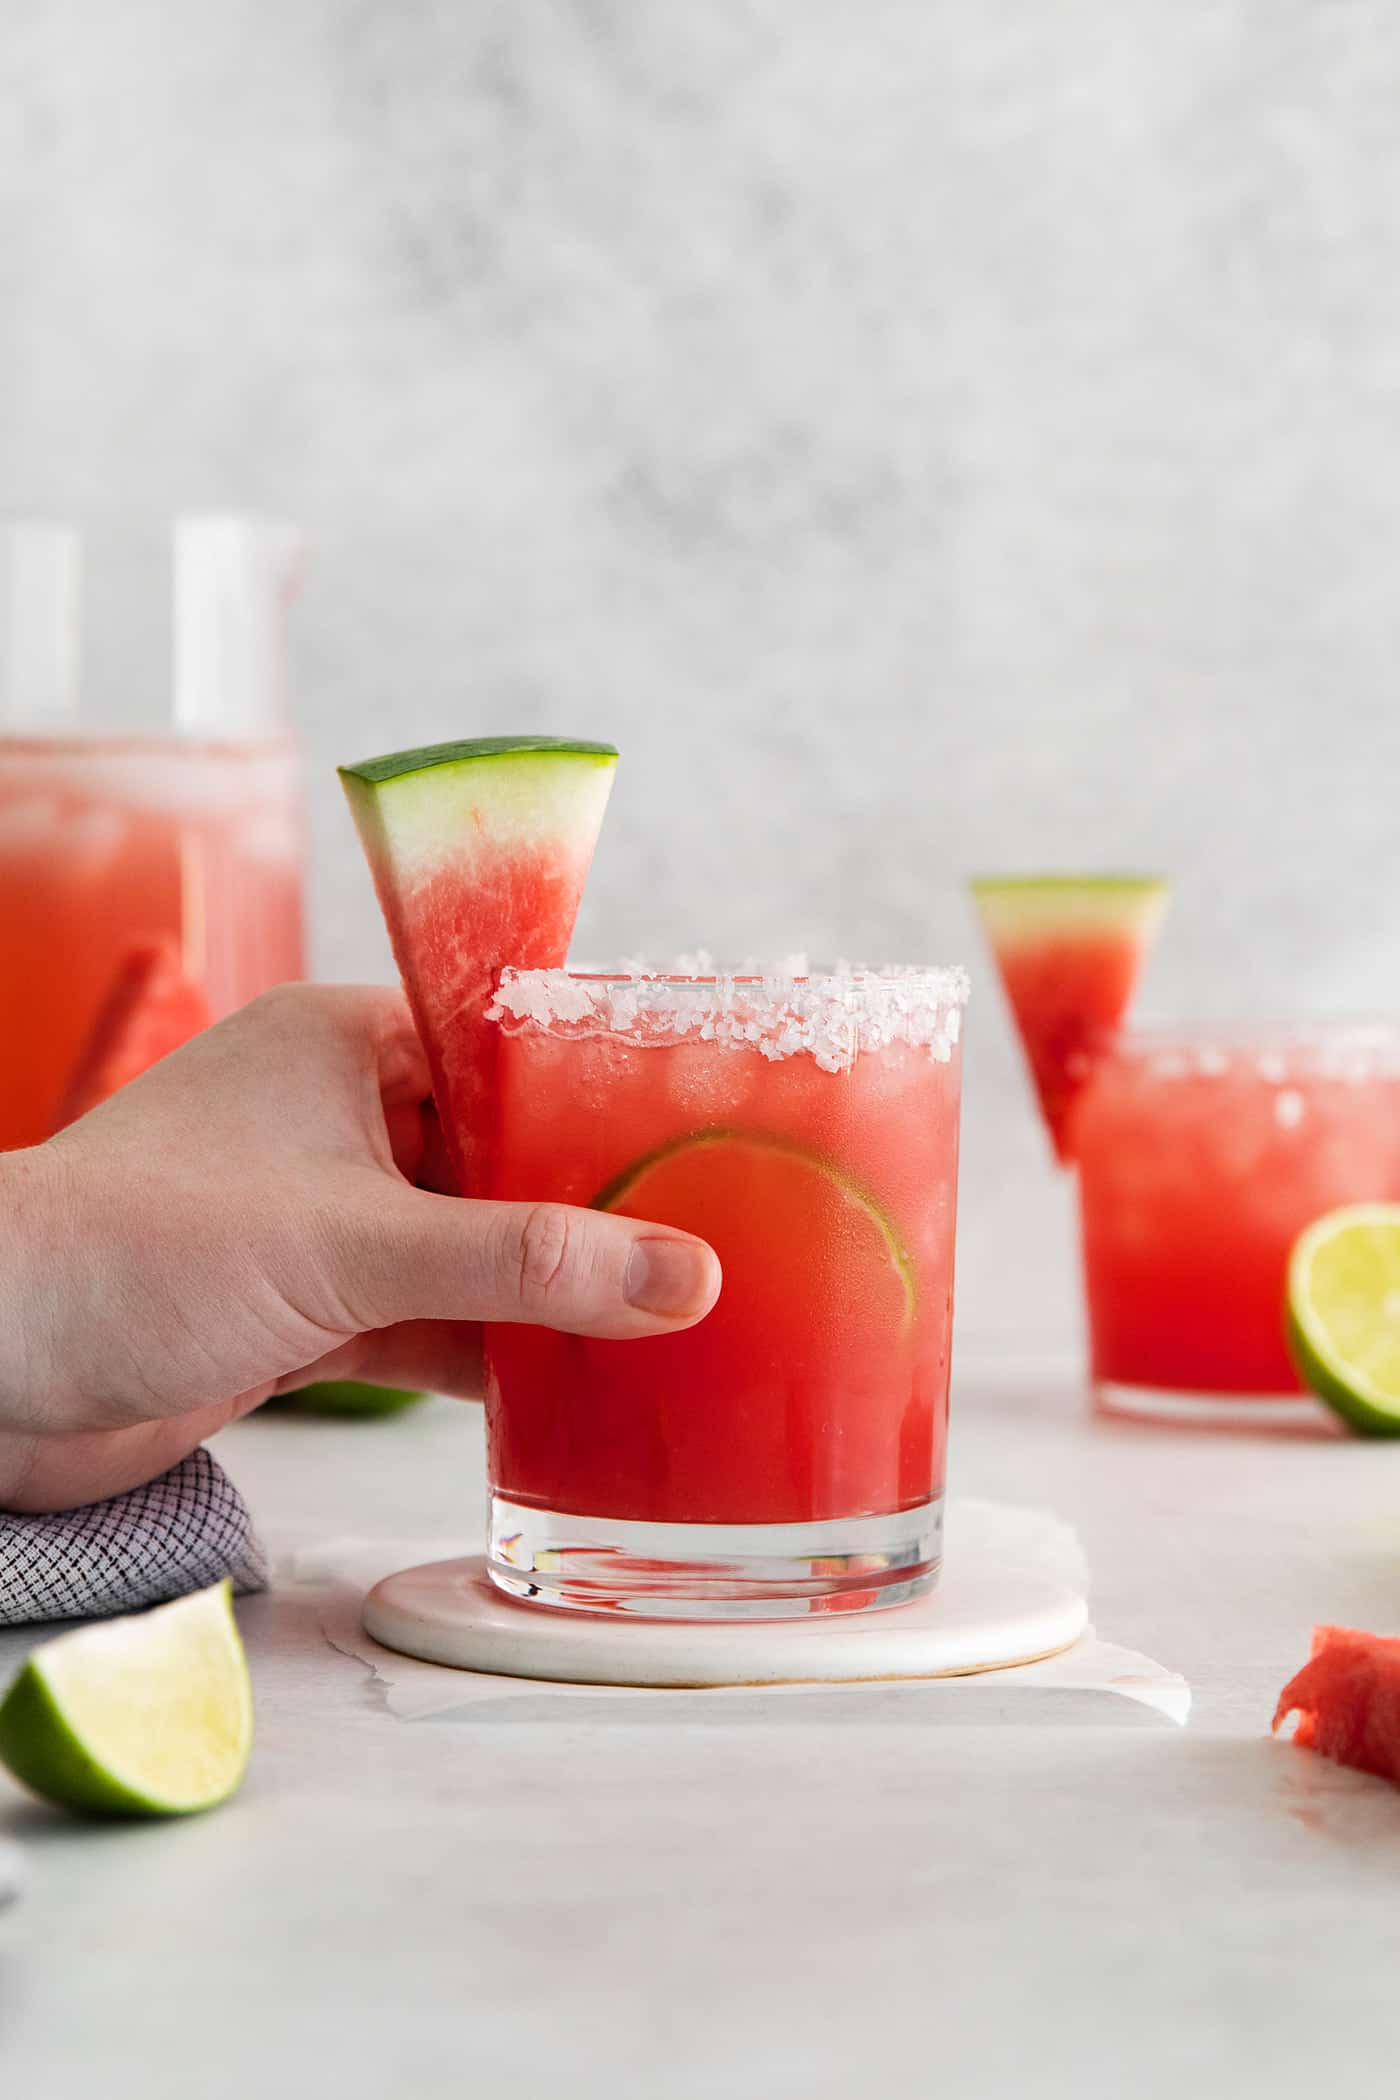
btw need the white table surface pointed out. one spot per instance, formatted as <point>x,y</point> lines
<point>922,1891</point>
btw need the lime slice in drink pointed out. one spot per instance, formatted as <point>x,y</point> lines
<point>348,1399</point>
<point>792,1224</point>
<point>147,1716</point>
<point>1344,1313</point>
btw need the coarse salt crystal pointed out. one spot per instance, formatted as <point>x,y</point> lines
<point>831,1018</point>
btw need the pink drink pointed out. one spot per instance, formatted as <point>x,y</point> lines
<point>786,1454</point>
<point>107,841</point>
<point>1201,1158</point>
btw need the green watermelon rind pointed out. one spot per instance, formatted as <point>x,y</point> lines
<point>414,810</point>
<point>374,772</point>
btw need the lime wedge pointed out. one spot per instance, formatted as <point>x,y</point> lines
<point>762,1201</point>
<point>146,1716</point>
<point>1344,1313</point>
<point>348,1399</point>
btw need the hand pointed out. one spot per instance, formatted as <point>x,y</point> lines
<point>243,1219</point>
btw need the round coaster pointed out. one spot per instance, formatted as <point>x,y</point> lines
<point>980,1615</point>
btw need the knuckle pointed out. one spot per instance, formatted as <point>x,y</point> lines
<point>286,999</point>
<point>323,1002</point>
<point>542,1251</point>
<point>283,1013</point>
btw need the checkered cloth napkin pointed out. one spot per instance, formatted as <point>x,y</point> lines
<point>179,1533</point>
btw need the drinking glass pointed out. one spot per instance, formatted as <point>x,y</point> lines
<point>785,1455</point>
<point>1202,1153</point>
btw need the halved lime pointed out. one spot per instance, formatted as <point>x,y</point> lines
<point>765,1203</point>
<point>1344,1313</point>
<point>348,1399</point>
<point>147,1716</point>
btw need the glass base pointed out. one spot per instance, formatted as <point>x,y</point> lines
<point>1299,1412</point>
<point>713,1571</point>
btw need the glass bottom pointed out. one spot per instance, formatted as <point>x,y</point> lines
<point>713,1571</point>
<point>1299,1412</point>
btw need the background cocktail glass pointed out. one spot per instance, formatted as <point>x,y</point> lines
<point>786,1455</point>
<point>1201,1154</point>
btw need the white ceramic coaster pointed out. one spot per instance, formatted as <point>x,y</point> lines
<point>981,1615</point>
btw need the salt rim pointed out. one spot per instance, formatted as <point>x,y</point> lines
<point>830,1016</point>
<point>1274,1053</point>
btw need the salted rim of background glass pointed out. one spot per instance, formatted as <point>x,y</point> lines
<point>1346,1047</point>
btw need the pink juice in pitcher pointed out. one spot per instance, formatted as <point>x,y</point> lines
<point>106,843</point>
<point>184,844</point>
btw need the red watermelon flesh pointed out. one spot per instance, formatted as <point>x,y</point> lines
<point>151,1008</point>
<point>479,851</point>
<point>1347,1699</point>
<point>1069,950</point>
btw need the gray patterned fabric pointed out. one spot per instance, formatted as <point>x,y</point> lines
<point>176,1534</point>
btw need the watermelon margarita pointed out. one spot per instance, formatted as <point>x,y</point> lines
<point>109,844</point>
<point>1201,1158</point>
<point>785,1455</point>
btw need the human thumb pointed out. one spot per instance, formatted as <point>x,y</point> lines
<point>418,1256</point>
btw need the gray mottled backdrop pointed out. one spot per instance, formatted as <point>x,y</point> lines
<point>921,435</point>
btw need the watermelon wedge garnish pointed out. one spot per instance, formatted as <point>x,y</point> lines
<point>151,1008</point>
<point>479,852</point>
<point>1347,1699</point>
<point>1069,949</point>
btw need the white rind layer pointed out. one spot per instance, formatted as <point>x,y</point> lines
<point>418,822</point>
<point>1033,908</point>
